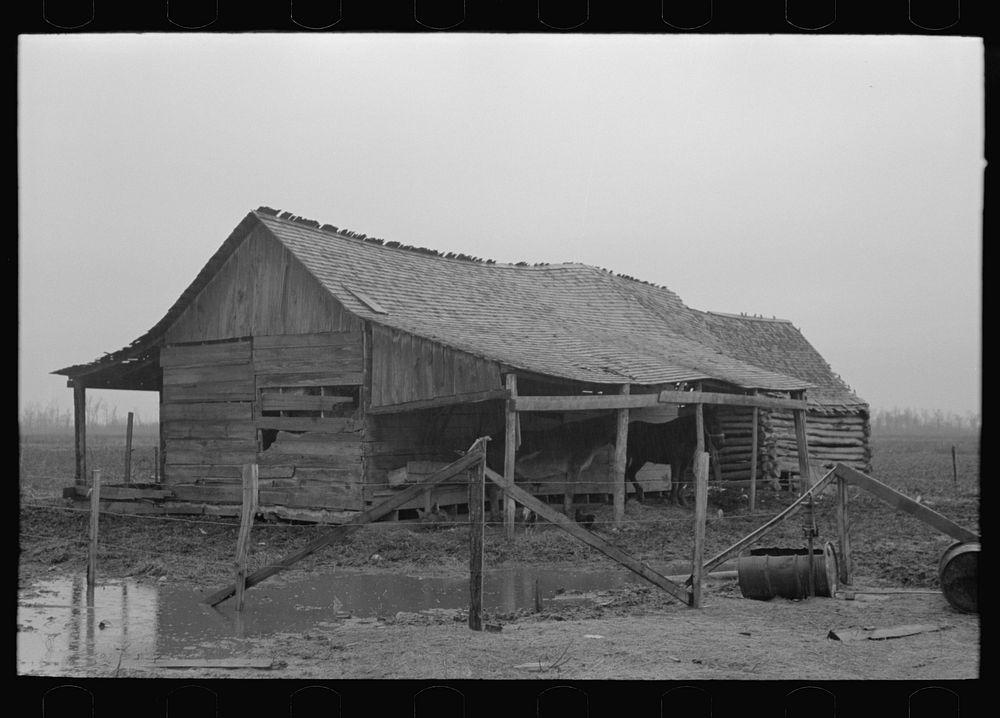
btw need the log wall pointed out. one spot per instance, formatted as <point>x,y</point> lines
<point>831,437</point>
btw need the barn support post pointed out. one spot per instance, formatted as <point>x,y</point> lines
<point>753,460</point>
<point>618,469</point>
<point>805,474</point>
<point>700,515</point>
<point>700,505</point>
<point>161,455</point>
<point>510,455</point>
<point>843,535</point>
<point>80,431</point>
<point>477,490</point>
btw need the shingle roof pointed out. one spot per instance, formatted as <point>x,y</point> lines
<point>568,320</point>
<point>783,348</point>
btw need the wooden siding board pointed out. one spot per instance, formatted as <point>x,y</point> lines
<point>319,461</point>
<point>347,339</point>
<point>207,411</point>
<point>181,429</point>
<point>301,402</point>
<point>209,374</point>
<point>190,355</point>
<point>303,379</point>
<point>218,392</point>
<point>306,423</point>
<point>180,473</point>
<point>320,475</point>
<point>345,357</point>
<point>407,368</point>
<point>210,451</point>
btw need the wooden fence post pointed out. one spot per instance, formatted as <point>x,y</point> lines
<point>250,474</point>
<point>80,432</point>
<point>128,450</point>
<point>700,504</point>
<point>843,534</point>
<point>477,489</point>
<point>95,507</point>
<point>621,445</point>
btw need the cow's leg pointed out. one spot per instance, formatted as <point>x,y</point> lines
<point>568,494</point>
<point>677,468</point>
<point>687,464</point>
<point>631,470</point>
<point>495,497</point>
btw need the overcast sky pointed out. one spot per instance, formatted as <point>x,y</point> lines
<point>834,181</point>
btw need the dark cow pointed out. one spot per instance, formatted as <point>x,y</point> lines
<point>673,443</point>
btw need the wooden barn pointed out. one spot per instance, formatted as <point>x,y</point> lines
<point>347,366</point>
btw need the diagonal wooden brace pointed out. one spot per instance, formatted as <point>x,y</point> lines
<point>905,503</point>
<point>608,549</point>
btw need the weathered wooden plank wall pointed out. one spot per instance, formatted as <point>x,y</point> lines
<point>262,289</point>
<point>206,414</point>
<point>406,368</point>
<point>308,402</point>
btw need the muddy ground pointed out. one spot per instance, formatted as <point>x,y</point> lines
<point>635,632</point>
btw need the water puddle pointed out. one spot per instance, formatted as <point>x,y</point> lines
<point>59,633</point>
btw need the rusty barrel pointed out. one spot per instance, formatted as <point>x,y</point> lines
<point>959,574</point>
<point>784,572</point>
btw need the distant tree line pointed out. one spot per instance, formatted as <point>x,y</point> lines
<point>51,418</point>
<point>923,421</point>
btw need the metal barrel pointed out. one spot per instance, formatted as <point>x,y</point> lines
<point>959,574</point>
<point>784,572</point>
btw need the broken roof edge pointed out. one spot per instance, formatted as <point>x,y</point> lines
<point>753,317</point>
<point>153,337</point>
<point>343,233</point>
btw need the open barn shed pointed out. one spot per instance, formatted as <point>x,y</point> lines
<point>347,366</point>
